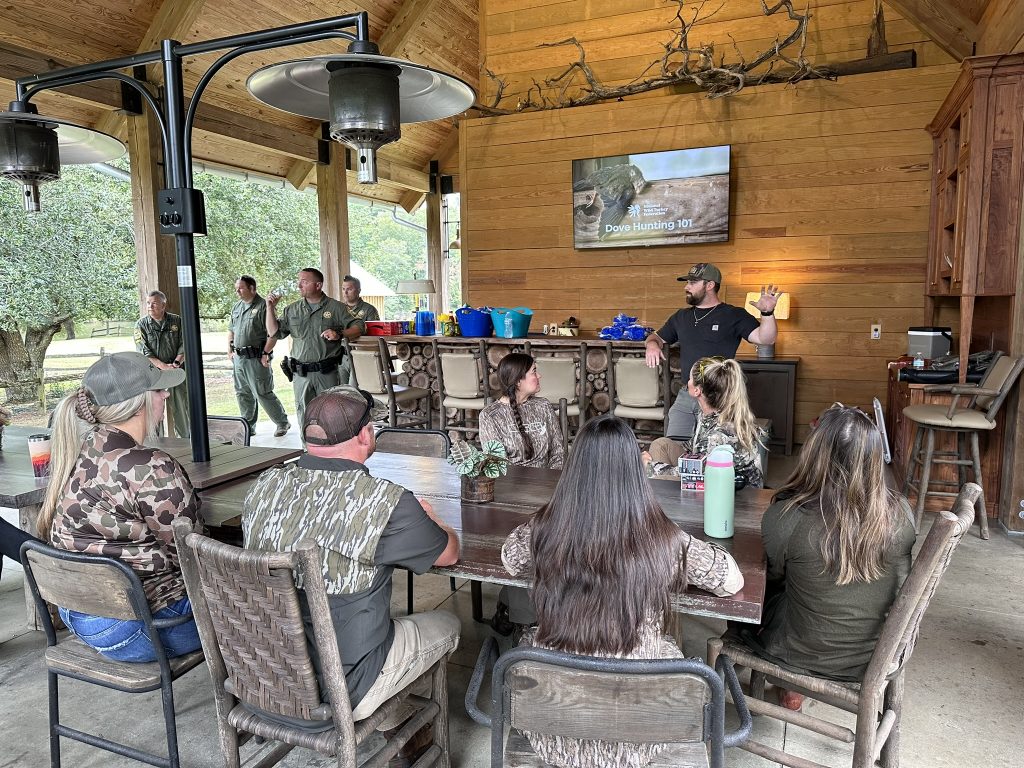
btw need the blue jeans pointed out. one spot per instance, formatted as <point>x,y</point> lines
<point>126,640</point>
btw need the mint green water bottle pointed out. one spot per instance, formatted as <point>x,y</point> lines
<point>719,493</point>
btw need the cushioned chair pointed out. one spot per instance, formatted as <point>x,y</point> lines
<point>462,384</point>
<point>228,429</point>
<point>877,699</point>
<point>101,586</point>
<point>246,605</point>
<point>415,442</point>
<point>678,703</point>
<point>979,415</point>
<point>372,371</point>
<point>638,393</point>
<point>563,384</point>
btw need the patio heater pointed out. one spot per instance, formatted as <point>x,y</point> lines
<point>365,97</point>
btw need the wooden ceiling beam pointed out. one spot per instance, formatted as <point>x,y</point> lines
<point>174,19</point>
<point>944,22</point>
<point>408,20</point>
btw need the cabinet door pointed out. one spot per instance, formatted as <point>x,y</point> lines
<point>768,389</point>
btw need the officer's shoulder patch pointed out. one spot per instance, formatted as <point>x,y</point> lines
<point>328,315</point>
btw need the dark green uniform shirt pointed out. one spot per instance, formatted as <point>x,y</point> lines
<point>359,314</point>
<point>305,324</point>
<point>249,322</point>
<point>162,340</point>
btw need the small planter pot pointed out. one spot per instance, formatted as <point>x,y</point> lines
<point>477,490</point>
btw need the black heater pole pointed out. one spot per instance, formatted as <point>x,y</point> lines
<point>184,246</point>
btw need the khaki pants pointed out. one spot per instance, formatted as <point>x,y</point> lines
<point>255,383</point>
<point>420,640</point>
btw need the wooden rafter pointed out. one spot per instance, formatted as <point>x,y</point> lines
<point>174,19</point>
<point>944,22</point>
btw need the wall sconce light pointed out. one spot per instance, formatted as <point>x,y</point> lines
<point>782,310</point>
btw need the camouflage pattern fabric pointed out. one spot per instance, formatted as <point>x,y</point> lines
<point>713,432</point>
<point>343,512</point>
<point>120,501</point>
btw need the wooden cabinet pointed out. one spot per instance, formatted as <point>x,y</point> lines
<point>771,386</point>
<point>901,441</point>
<point>977,179</point>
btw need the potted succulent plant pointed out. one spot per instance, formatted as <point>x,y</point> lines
<point>478,468</point>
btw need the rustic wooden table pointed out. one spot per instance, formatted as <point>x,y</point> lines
<point>482,528</point>
<point>20,490</point>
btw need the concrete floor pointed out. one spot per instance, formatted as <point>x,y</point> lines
<point>964,703</point>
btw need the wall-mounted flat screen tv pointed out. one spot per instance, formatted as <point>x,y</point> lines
<point>676,197</point>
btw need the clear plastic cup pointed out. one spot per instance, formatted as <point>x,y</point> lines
<point>39,454</point>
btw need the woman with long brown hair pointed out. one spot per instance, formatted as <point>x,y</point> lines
<point>839,546</point>
<point>720,389</point>
<point>522,422</point>
<point>605,560</point>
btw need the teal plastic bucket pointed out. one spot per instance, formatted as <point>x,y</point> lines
<point>511,322</point>
<point>473,322</point>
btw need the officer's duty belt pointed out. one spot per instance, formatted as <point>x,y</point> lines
<point>249,352</point>
<point>300,368</point>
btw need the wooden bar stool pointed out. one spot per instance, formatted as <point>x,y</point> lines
<point>371,369</point>
<point>986,397</point>
<point>462,385</point>
<point>563,384</point>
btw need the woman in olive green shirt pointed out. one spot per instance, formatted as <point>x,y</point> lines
<point>838,543</point>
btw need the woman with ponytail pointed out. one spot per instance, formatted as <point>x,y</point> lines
<point>725,418</point>
<point>522,422</point>
<point>110,495</point>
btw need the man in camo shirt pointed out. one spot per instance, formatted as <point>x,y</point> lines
<point>366,527</point>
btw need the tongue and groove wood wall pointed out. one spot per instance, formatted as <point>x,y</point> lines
<point>830,186</point>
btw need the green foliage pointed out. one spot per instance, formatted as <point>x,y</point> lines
<point>76,257</point>
<point>388,250</point>
<point>491,462</point>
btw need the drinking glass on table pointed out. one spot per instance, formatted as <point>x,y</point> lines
<point>39,454</point>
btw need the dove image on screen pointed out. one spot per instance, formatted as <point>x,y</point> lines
<point>675,197</point>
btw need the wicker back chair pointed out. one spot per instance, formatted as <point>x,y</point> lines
<point>877,699</point>
<point>247,608</point>
<point>678,703</point>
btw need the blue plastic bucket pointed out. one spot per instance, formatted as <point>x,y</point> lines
<point>473,322</point>
<point>511,323</point>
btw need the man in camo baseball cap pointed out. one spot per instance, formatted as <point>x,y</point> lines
<point>124,375</point>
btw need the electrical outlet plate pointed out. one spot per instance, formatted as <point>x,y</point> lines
<point>876,331</point>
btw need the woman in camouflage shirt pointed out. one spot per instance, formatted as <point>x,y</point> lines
<point>605,559</point>
<point>725,418</point>
<point>110,495</point>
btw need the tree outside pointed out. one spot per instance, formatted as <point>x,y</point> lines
<point>76,259</point>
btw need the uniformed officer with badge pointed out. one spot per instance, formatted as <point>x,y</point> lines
<point>251,351</point>
<point>159,337</point>
<point>358,312</point>
<point>316,323</point>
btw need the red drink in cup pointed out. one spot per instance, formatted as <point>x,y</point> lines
<point>39,453</point>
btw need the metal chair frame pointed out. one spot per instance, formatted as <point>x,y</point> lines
<point>132,589</point>
<point>723,675</point>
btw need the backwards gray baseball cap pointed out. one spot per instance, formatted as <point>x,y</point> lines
<point>124,375</point>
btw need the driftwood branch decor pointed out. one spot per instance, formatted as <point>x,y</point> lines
<point>680,64</point>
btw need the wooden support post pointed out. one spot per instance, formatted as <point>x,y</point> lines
<point>154,253</point>
<point>436,267</point>
<point>1011,502</point>
<point>332,199</point>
